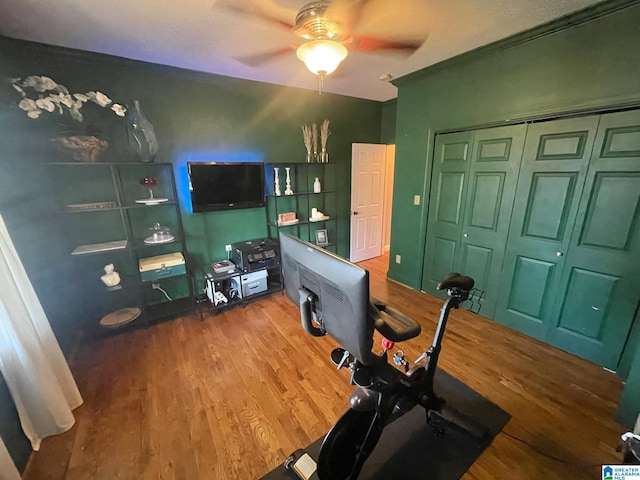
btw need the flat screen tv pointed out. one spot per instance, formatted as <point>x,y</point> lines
<point>332,292</point>
<point>226,185</point>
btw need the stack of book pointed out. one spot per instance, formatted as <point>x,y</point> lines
<point>223,266</point>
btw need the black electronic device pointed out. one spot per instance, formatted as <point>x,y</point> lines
<point>256,254</point>
<point>226,185</point>
<point>340,291</point>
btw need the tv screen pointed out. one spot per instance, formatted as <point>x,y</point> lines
<point>226,185</point>
<point>330,289</point>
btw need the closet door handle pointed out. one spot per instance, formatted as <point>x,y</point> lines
<point>559,254</point>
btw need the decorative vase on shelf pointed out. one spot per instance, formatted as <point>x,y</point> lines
<point>140,133</point>
<point>317,188</point>
<point>324,156</point>
<point>309,157</point>
<point>277,182</point>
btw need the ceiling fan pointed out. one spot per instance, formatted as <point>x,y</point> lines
<point>328,29</point>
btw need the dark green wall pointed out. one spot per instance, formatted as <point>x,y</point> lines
<point>587,62</point>
<point>196,117</point>
<point>388,133</point>
<point>590,65</point>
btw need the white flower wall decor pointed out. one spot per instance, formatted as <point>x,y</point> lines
<point>52,97</point>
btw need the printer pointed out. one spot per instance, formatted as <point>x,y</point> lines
<point>256,254</point>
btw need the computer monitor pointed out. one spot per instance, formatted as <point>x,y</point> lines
<point>331,291</point>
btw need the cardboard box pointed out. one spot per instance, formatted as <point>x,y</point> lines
<point>162,266</point>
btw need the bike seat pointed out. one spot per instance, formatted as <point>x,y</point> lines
<point>456,280</point>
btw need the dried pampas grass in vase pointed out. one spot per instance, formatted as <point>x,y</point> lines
<point>306,137</point>
<point>314,137</point>
<point>324,136</point>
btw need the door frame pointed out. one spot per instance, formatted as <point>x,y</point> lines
<point>387,196</point>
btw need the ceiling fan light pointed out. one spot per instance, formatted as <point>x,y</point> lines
<point>322,55</point>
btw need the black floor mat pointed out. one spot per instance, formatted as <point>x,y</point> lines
<point>408,449</point>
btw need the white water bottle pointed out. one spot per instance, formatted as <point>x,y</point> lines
<point>316,186</point>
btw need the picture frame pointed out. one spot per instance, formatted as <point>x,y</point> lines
<point>322,240</point>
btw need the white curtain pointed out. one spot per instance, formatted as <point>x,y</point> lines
<point>31,361</point>
<point>8,470</point>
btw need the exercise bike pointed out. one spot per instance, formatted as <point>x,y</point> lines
<point>385,392</point>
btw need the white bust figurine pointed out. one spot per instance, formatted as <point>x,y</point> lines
<point>316,214</point>
<point>111,278</point>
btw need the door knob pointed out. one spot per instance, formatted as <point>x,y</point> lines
<point>354,213</point>
<point>465,235</point>
<point>559,254</point>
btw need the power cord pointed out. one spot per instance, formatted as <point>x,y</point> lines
<point>548,455</point>
<point>157,286</point>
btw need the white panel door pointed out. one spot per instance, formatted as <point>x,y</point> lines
<point>367,200</point>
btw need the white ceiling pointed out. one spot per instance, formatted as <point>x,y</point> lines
<point>205,35</point>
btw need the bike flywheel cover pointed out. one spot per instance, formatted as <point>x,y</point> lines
<point>339,453</point>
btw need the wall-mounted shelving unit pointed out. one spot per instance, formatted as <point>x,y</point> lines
<point>303,200</point>
<point>105,217</point>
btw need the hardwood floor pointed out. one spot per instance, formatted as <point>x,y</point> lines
<point>231,396</point>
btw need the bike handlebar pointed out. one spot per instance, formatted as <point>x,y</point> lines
<point>393,324</point>
<point>305,300</point>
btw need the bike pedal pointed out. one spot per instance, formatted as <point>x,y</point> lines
<point>437,430</point>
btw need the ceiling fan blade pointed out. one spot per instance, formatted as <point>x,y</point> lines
<point>257,10</point>
<point>259,59</point>
<point>348,12</point>
<point>372,44</point>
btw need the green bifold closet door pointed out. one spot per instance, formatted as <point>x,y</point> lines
<point>572,265</point>
<point>567,269</point>
<point>473,187</point>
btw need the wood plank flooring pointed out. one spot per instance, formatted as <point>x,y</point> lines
<point>231,396</point>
